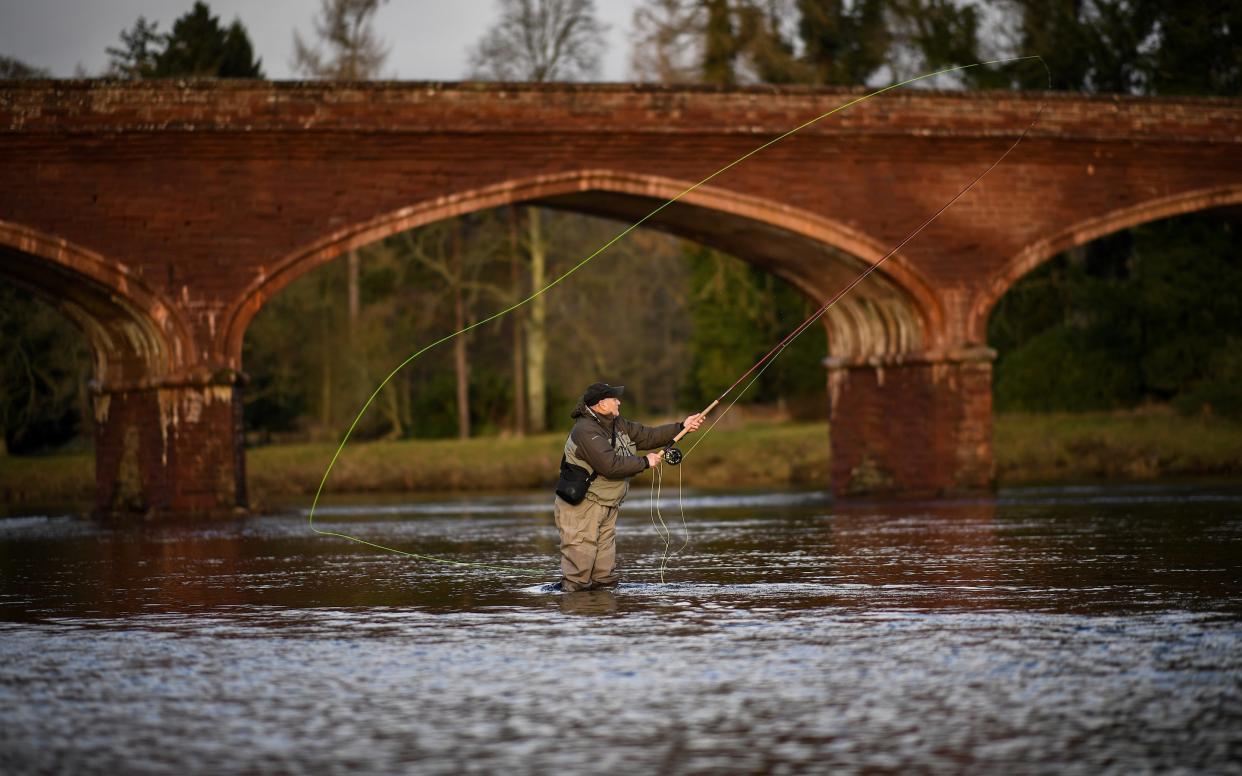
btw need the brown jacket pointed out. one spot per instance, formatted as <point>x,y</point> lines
<point>609,447</point>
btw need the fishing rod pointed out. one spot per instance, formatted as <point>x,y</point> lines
<point>671,454</point>
<point>674,455</point>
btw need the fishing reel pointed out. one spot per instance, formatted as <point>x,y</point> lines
<point>672,455</point>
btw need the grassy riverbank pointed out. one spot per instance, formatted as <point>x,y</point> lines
<point>1141,445</point>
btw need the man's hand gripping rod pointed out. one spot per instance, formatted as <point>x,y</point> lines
<point>672,454</point>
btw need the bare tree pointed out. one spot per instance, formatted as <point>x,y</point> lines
<point>461,359</point>
<point>539,40</point>
<point>668,41</point>
<point>519,352</point>
<point>536,325</point>
<point>348,48</point>
<point>457,254</point>
<point>716,41</point>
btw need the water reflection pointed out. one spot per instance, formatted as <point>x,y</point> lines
<point>1047,629</point>
<point>589,602</point>
<point>943,551</point>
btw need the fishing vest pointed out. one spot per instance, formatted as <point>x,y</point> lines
<point>603,490</point>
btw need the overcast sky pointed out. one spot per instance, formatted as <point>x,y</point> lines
<point>427,39</point>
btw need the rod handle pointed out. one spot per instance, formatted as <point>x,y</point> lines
<point>685,431</point>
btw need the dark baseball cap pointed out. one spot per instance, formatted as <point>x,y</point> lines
<point>598,391</point>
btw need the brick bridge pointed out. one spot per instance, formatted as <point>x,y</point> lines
<point>160,216</point>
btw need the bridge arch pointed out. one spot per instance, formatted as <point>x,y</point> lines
<point>136,337</point>
<point>1084,232</point>
<point>894,311</point>
<point>157,409</point>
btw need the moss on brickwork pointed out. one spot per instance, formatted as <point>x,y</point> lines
<point>128,495</point>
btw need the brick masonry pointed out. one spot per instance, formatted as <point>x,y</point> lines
<point>162,215</point>
<point>168,450</point>
<point>913,428</point>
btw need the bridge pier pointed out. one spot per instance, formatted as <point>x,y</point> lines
<point>917,426</point>
<point>172,448</point>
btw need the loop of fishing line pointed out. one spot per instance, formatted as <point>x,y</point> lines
<point>662,529</point>
<point>757,369</point>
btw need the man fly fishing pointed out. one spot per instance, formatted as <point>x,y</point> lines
<point>601,455</point>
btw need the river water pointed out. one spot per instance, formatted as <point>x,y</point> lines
<point>1058,630</point>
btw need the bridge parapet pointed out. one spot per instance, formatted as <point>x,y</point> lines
<point>208,105</point>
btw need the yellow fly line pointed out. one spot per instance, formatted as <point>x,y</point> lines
<point>760,366</point>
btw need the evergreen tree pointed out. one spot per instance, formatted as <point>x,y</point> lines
<point>738,312</point>
<point>238,59</point>
<point>844,43</point>
<point>199,47</point>
<point>720,45</point>
<point>1199,49</point>
<point>135,57</point>
<point>1148,313</point>
<point>1132,46</point>
<point>1088,45</point>
<point>1145,314</point>
<point>930,35</point>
